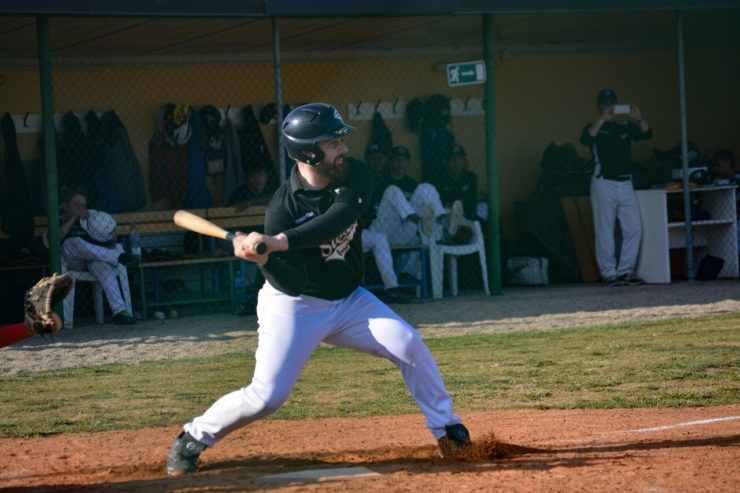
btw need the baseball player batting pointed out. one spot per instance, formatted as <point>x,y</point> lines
<point>313,268</point>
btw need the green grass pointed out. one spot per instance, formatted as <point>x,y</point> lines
<point>661,364</point>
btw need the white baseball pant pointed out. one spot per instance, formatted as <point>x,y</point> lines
<point>377,242</point>
<point>291,328</point>
<point>612,200</point>
<point>101,262</point>
<point>394,208</point>
<point>391,220</point>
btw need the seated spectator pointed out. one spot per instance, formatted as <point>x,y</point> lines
<point>80,251</point>
<point>377,158</point>
<point>255,190</point>
<point>397,173</point>
<point>376,241</point>
<point>404,208</point>
<point>457,183</point>
<point>458,190</point>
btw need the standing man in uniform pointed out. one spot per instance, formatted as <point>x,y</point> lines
<point>313,267</point>
<point>612,195</point>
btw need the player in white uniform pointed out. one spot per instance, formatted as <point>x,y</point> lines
<point>313,267</point>
<point>82,252</point>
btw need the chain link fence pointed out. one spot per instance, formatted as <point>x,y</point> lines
<point>138,138</point>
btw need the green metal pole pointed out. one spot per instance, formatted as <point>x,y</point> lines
<point>494,230</point>
<point>685,150</point>
<point>49,141</point>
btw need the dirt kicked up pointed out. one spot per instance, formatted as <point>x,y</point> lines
<point>655,450</point>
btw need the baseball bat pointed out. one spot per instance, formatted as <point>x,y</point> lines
<point>191,222</point>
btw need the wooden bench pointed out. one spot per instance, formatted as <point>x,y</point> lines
<point>159,232</point>
<point>161,221</point>
<point>215,267</point>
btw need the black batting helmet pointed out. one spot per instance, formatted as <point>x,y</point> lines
<point>309,124</point>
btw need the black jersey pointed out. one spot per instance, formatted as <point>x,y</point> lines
<point>463,188</point>
<point>324,257</point>
<point>612,146</point>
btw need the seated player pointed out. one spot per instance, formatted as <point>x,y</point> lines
<point>81,251</point>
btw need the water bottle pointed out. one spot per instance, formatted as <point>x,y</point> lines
<point>134,241</point>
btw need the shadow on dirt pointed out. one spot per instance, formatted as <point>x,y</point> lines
<point>489,454</point>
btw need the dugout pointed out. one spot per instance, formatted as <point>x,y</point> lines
<point>549,59</point>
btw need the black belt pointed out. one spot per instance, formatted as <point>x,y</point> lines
<point>616,178</point>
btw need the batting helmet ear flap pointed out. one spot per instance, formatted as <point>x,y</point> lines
<point>307,125</point>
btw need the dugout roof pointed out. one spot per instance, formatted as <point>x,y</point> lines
<point>160,29</point>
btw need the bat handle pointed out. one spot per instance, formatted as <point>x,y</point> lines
<point>260,249</point>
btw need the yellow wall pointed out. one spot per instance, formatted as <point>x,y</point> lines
<point>540,99</point>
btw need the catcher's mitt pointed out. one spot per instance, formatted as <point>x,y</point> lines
<point>40,302</point>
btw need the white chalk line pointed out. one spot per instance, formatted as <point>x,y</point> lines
<point>685,424</point>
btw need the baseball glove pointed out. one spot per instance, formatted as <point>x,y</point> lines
<point>40,301</point>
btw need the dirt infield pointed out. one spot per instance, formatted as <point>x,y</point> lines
<point>645,450</point>
<point>640,450</point>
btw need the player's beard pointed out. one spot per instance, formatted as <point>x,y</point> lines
<point>336,171</point>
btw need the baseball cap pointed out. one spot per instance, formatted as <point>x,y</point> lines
<point>606,96</point>
<point>401,151</point>
<point>373,148</point>
<point>456,150</point>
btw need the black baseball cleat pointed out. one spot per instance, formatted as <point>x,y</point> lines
<point>631,280</point>
<point>183,456</point>
<point>455,441</point>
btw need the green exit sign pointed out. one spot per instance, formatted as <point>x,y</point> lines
<point>462,74</point>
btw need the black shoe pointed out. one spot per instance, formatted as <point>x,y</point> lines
<point>123,318</point>
<point>183,455</point>
<point>455,441</point>
<point>615,281</point>
<point>631,280</point>
<point>129,260</point>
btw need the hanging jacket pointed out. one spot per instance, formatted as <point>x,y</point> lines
<point>16,211</point>
<point>100,156</point>
<point>380,134</point>
<point>125,167</point>
<point>233,165</point>
<point>198,194</point>
<point>168,164</point>
<point>254,147</point>
<point>77,162</point>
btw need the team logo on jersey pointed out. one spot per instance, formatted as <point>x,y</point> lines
<point>308,215</point>
<point>339,246</point>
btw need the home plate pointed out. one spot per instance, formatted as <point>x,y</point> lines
<point>320,475</point>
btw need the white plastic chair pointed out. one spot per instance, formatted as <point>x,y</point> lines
<point>443,256</point>
<point>84,275</point>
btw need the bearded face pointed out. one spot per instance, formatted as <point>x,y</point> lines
<point>332,166</point>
